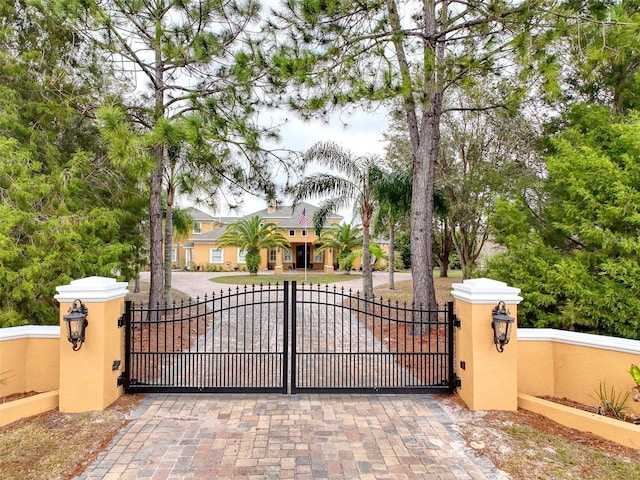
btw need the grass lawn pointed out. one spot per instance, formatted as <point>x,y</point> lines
<point>403,291</point>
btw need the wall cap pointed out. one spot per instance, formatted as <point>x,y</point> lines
<point>623,345</point>
<point>485,291</point>
<point>92,289</point>
<point>29,331</point>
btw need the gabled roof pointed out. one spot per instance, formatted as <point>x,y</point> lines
<point>200,216</point>
<point>285,217</point>
<point>208,237</point>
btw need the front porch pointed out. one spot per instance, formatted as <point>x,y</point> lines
<point>301,256</point>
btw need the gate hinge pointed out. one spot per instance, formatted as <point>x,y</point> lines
<point>456,321</point>
<point>121,379</point>
<point>458,382</point>
<point>121,322</point>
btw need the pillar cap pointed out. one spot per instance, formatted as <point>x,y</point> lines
<point>92,289</point>
<point>486,291</point>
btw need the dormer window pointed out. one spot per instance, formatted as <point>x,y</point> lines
<point>197,228</point>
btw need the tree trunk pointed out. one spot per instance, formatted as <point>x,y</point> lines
<point>425,140</point>
<point>444,267</point>
<point>155,191</point>
<point>168,240</point>
<point>155,234</point>
<point>422,216</point>
<point>445,250</point>
<point>392,252</point>
<point>367,279</point>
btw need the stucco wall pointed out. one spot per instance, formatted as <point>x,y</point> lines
<point>29,359</point>
<point>572,365</point>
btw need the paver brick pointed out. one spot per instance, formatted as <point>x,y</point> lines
<point>303,436</point>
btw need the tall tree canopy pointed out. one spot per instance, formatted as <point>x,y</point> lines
<point>67,211</point>
<point>339,53</point>
<point>573,242</point>
<point>182,60</point>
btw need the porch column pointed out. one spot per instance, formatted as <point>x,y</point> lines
<point>279,268</point>
<point>328,260</point>
<point>488,378</point>
<point>89,376</point>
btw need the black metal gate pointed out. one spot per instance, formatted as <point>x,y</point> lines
<point>345,342</point>
<point>281,338</point>
<point>236,341</point>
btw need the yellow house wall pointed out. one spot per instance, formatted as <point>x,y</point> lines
<point>561,369</point>
<point>230,254</point>
<point>31,363</point>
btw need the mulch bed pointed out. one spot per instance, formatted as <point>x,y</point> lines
<point>396,333</point>
<point>17,396</point>
<point>588,408</point>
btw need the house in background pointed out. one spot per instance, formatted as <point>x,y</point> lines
<point>200,250</point>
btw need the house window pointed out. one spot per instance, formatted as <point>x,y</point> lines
<point>174,254</point>
<point>286,256</point>
<point>272,255</point>
<point>292,233</point>
<point>241,256</point>
<point>197,228</point>
<point>304,232</point>
<point>215,255</point>
<point>318,257</point>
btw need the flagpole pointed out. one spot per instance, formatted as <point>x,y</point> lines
<point>301,219</point>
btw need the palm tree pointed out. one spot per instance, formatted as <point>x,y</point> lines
<point>346,240</point>
<point>349,183</point>
<point>252,235</point>
<point>393,193</point>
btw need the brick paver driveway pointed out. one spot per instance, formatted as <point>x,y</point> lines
<point>297,436</point>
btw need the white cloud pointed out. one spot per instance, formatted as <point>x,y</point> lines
<point>360,133</point>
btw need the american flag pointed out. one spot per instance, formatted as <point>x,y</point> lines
<point>303,217</point>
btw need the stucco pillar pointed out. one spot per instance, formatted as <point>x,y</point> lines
<point>488,378</point>
<point>89,376</point>
<point>328,260</point>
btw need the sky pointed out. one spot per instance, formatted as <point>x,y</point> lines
<point>360,133</point>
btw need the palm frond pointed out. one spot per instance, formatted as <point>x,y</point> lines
<point>331,155</point>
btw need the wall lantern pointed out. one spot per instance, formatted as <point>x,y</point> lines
<point>76,323</point>
<point>501,325</point>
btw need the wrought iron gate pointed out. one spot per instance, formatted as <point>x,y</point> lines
<point>281,338</point>
<point>345,342</point>
<point>236,341</point>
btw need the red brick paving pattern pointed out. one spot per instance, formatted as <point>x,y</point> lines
<point>299,436</point>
